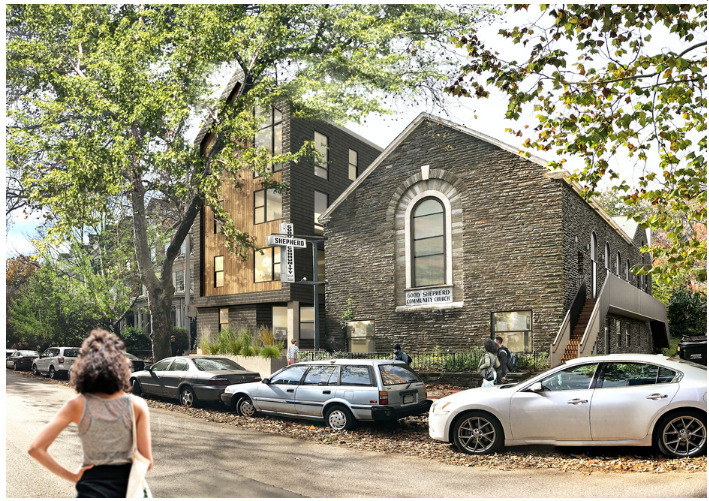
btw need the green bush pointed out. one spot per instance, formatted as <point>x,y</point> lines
<point>182,341</point>
<point>135,339</point>
<point>271,351</point>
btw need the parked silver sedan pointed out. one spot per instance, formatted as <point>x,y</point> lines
<point>637,400</point>
<point>190,379</point>
<point>340,392</point>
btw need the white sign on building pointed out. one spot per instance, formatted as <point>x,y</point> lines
<point>442,295</point>
<point>287,254</point>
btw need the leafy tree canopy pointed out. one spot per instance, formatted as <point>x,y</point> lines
<point>607,80</point>
<point>101,98</point>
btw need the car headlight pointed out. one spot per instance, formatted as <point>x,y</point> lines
<point>440,410</point>
<point>227,390</point>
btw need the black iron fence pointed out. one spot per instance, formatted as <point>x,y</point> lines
<point>437,361</point>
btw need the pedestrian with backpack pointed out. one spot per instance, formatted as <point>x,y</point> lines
<point>400,355</point>
<point>488,363</point>
<point>508,362</point>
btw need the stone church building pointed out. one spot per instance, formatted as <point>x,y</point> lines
<point>450,237</point>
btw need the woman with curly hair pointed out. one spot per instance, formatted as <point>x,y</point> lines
<point>103,412</point>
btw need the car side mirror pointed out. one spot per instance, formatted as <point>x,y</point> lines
<point>536,387</point>
<point>149,368</point>
<point>266,380</point>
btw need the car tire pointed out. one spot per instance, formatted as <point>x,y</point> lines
<point>35,371</point>
<point>187,397</point>
<point>135,388</point>
<point>15,366</point>
<point>339,417</point>
<point>52,373</point>
<point>245,407</point>
<point>477,433</point>
<point>682,434</point>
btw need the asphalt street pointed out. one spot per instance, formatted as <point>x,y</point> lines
<point>199,459</point>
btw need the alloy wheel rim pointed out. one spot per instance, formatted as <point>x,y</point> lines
<point>246,408</point>
<point>684,435</point>
<point>337,420</point>
<point>187,398</point>
<point>476,434</point>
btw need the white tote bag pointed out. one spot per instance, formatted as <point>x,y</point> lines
<point>137,486</point>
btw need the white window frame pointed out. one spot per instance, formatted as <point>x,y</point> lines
<point>449,239</point>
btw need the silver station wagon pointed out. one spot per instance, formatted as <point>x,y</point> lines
<point>340,392</point>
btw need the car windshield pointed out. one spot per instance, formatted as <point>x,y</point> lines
<point>131,356</point>
<point>27,353</point>
<point>397,374</point>
<point>216,364</point>
<point>71,353</point>
<point>687,362</point>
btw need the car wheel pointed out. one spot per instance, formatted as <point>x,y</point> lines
<point>52,373</point>
<point>15,366</point>
<point>187,397</point>
<point>477,433</point>
<point>135,390</point>
<point>682,434</point>
<point>34,370</point>
<point>339,417</point>
<point>245,407</point>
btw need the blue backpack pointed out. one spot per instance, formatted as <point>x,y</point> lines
<point>511,361</point>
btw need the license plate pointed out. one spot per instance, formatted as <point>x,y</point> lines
<point>409,399</point>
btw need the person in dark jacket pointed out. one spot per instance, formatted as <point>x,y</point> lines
<point>399,354</point>
<point>503,355</point>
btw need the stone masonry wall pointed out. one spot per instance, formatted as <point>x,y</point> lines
<point>507,244</point>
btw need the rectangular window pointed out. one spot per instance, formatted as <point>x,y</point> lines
<point>321,203</point>
<point>223,318</point>
<point>267,206</point>
<point>307,322</point>
<point>353,168</point>
<point>618,332</point>
<point>515,328</point>
<point>267,264</point>
<point>280,324</point>
<point>179,280</point>
<point>270,134</point>
<point>627,335</point>
<point>218,271</point>
<point>321,162</point>
<point>355,375</point>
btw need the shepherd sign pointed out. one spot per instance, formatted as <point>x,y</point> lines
<point>443,295</point>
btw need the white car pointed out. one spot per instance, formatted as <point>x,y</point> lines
<point>632,400</point>
<point>55,361</point>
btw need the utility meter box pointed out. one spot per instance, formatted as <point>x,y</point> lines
<point>360,335</point>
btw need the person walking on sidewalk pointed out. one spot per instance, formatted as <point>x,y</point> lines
<point>103,412</point>
<point>292,352</point>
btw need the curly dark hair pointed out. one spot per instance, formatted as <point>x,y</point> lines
<point>490,346</point>
<point>102,365</point>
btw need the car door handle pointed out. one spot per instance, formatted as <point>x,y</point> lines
<point>576,401</point>
<point>290,391</point>
<point>656,396</point>
<point>326,392</point>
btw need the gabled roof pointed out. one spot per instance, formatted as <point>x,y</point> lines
<point>483,137</point>
<point>236,78</point>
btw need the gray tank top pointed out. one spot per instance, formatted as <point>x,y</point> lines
<point>106,430</point>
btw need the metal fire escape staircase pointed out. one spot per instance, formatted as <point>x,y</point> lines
<point>586,318</point>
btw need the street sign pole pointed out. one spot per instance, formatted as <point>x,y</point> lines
<point>287,242</point>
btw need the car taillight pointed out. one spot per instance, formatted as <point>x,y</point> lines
<point>257,379</point>
<point>383,398</point>
<point>60,360</point>
<point>218,381</point>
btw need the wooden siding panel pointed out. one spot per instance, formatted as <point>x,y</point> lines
<point>238,274</point>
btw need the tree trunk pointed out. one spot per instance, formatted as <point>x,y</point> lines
<point>160,305</point>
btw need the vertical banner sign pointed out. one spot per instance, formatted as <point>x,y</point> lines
<point>287,256</point>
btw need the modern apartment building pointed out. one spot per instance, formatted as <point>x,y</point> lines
<point>229,291</point>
